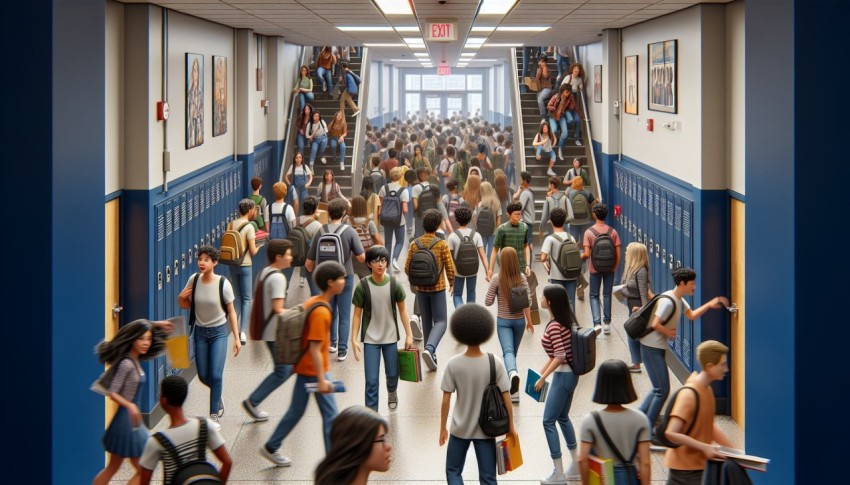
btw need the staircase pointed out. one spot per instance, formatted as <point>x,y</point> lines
<point>537,168</point>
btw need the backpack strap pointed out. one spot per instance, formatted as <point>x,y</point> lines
<point>492,369</point>
<point>221,295</point>
<point>202,440</point>
<point>169,447</point>
<point>696,409</point>
<point>262,284</point>
<point>608,440</point>
<point>192,304</point>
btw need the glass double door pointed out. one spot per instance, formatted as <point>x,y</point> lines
<point>442,105</point>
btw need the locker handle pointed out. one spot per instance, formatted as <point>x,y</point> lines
<point>733,309</point>
<point>168,274</point>
<point>176,267</point>
<point>116,309</point>
<point>159,280</point>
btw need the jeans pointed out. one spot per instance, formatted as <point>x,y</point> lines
<point>573,119</point>
<point>557,410</point>
<point>210,354</point>
<point>563,64</point>
<point>558,126</point>
<point>314,288</point>
<point>318,146</point>
<point>297,406</point>
<point>634,345</point>
<point>570,286</point>
<point>326,77</point>
<point>398,234</point>
<point>543,97</point>
<point>656,367</point>
<point>301,140</point>
<point>240,278</point>
<point>272,381</point>
<point>485,453</point>
<point>564,127</point>
<point>607,282</point>
<point>372,364</point>
<point>304,98</point>
<point>551,153</point>
<point>341,325</point>
<point>488,245</point>
<point>510,173</point>
<point>510,335</point>
<point>457,296</point>
<point>432,304</point>
<point>338,149</point>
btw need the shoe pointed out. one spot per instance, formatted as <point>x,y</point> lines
<point>275,457</point>
<point>324,160</point>
<point>392,400</point>
<point>416,328</point>
<point>221,408</point>
<point>515,397</point>
<point>258,415</point>
<point>243,339</point>
<point>597,328</point>
<point>580,296</point>
<point>537,157</point>
<point>550,173</point>
<point>429,359</point>
<point>578,143</point>
<point>514,383</point>
<point>341,167</point>
<point>556,478</point>
<point>572,472</point>
<point>635,369</point>
<point>606,328</point>
<point>332,349</point>
<point>355,113</point>
<point>342,355</point>
<point>582,283</point>
<point>395,266</point>
<point>560,153</point>
<point>214,422</point>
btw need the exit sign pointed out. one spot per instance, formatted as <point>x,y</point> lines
<point>444,71</point>
<point>442,31</point>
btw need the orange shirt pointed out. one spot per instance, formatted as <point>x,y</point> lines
<point>318,329</point>
<point>684,457</point>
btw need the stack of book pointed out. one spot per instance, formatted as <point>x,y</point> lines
<point>601,471</point>
<point>508,455</point>
<point>409,368</point>
<point>261,236</point>
<point>530,381</point>
<point>747,461</point>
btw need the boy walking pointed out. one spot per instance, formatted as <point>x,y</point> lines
<point>312,226</point>
<point>241,276</point>
<point>461,242</point>
<point>602,250</point>
<point>551,249</point>
<point>514,234</point>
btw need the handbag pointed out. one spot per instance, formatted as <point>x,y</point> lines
<point>532,83</point>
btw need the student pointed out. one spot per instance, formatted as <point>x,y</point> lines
<point>329,189</point>
<point>488,216</point>
<point>510,166</point>
<point>432,300</point>
<point>543,142</point>
<point>597,276</point>
<point>379,315</point>
<point>317,135</point>
<point>526,198</point>
<point>421,190</point>
<point>299,177</point>
<point>350,246</point>
<point>653,347</point>
<point>463,215</point>
<point>445,167</point>
<point>514,234</point>
<point>557,343</point>
<point>549,251</point>
<point>349,82</point>
<point>577,171</point>
<point>337,131</point>
<point>313,366</point>
<point>687,462</point>
<point>366,229</point>
<point>468,374</point>
<point>261,203</point>
<point>184,434</point>
<point>211,325</point>
<point>273,300</point>
<point>281,219</point>
<point>627,428</point>
<point>312,226</point>
<point>554,199</point>
<point>639,288</point>
<point>581,201</point>
<point>241,276</point>
<point>395,232</point>
<point>359,446</point>
<point>510,322</point>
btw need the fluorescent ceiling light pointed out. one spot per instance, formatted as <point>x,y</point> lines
<point>491,44</point>
<point>522,29</point>
<point>404,60</point>
<point>414,40</point>
<point>394,7</point>
<point>483,60</point>
<point>471,47</point>
<point>421,54</point>
<point>364,29</point>
<point>468,54</point>
<point>413,28</point>
<point>384,45</point>
<point>496,7</point>
<point>476,40</point>
<point>416,47</point>
<point>483,30</point>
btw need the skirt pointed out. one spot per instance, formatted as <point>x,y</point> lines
<point>121,439</point>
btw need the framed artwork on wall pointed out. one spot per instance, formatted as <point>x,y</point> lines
<point>219,97</point>
<point>661,80</point>
<point>631,94</point>
<point>194,100</point>
<point>597,84</point>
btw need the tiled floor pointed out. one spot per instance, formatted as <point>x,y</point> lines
<point>417,458</point>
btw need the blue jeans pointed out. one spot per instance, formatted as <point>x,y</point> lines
<point>558,126</point>
<point>433,307</point>
<point>574,120</point>
<point>656,367</point>
<point>557,410</point>
<point>551,153</point>
<point>457,296</point>
<point>297,406</point>
<point>210,354</point>
<point>570,286</point>
<point>301,140</point>
<point>485,453</point>
<point>338,149</point>
<point>372,363</point>
<point>341,326</point>
<point>272,381</point>
<point>240,278</point>
<point>543,98</point>
<point>398,234</point>
<point>510,173</point>
<point>563,64</point>
<point>304,98</point>
<point>564,130</point>
<point>510,335</point>
<point>318,146</point>
<point>326,77</point>
<point>607,282</point>
<point>488,245</point>
<point>634,345</point>
<point>314,288</point>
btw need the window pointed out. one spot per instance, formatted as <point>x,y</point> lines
<point>475,103</point>
<point>456,83</point>
<point>432,104</point>
<point>412,82</point>
<point>432,82</point>
<point>454,104</point>
<point>474,82</point>
<point>412,103</point>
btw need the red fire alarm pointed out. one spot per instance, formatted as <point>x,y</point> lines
<point>618,211</point>
<point>162,110</point>
<point>649,124</point>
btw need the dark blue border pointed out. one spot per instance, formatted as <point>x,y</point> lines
<point>737,196</point>
<point>114,195</point>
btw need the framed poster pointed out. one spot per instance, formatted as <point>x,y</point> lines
<point>631,94</point>
<point>194,100</point>
<point>662,76</point>
<point>219,97</point>
<point>597,84</point>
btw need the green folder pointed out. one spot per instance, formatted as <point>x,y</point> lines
<point>408,365</point>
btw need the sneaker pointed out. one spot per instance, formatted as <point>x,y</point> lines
<point>342,355</point>
<point>635,369</point>
<point>597,328</point>
<point>560,153</point>
<point>537,157</point>
<point>572,472</point>
<point>395,266</point>
<point>243,339</point>
<point>578,143</point>
<point>392,400</point>
<point>355,113</point>
<point>429,359</point>
<point>582,284</point>
<point>258,415</point>
<point>214,422</point>
<point>221,408</point>
<point>580,296</point>
<point>550,173</point>
<point>341,167</point>
<point>416,328</point>
<point>606,328</point>
<point>515,397</point>
<point>514,383</point>
<point>324,160</point>
<point>275,457</point>
<point>332,349</point>
<point>556,478</point>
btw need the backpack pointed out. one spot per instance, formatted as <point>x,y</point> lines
<point>568,258</point>
<point>391,211</point>
<point>638,325</point>
<point>581,208</point>
<point>427,200</point>
<point>493,418</point>
<point>378,180</point>
<point>197,471</point>
<point>257,323</point>
<point>628,465</point>
<point>261,204</point>
<point>330,246</point>
<point>192,305</point>
<point>233,246</point>
<point>518,299</point>
<point>424,269</point>
<point>300,239</point>
<point>364,234</point>
<point>664,419</point>
<point>466,256</point>
<point>603,254</point>
<point>351,83</point>
<point>557,200</point>
<point>278,225</point>
<point>584,349</point>
<point>459,172</point>
<point>486,222</point>
<point>289,345</point>
<point>367,304</point>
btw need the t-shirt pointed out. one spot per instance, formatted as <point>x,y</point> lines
<point>557,342</point>
<point>387,165</point>
<point>526,198</point>
<point>590,238</point>
<point>299,170</point>
<point>455,239</point>
<point>551,247</point>
<point>317,329</point>
<point>626,428</point>
<point>248,232</point>
<point>547,143</point>
<point>504,310</point>
<point>419,188</point>
<point>402,193</point>
<point>350,244</point>
<point>186,438</point>
<point>663,309</point>
<point>573,173</point>
<point>685,457</point>
<point>469,376</point>
<point>378,320</point>
<point>277,208</point>
<point>208,312</point>
<point>273,289</point>
<point>310,224</point>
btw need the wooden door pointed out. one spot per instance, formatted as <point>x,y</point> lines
<point>738,294</point>
<point>112,296</point>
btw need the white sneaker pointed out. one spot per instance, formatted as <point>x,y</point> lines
<point>556,478</point>
<point>560,153</point>
<point>597,328</point>
<point>416,328</point>
<point>243,339</point>
<point>341,167</point>
<point>355,113</point>
<point>324,160</point>
<point>429,359</point>
<point>395,266</point>
<point>515,397</point>
<point>550,173</point>
<point>606,328</point>
<point>214,422</point>
<point>578,143</point>
<point>332,349</point>
<point>276,457</point>
<point>392,400</point>
<point>514,377</point>
<point>258,415</point>
<point>572,472</point>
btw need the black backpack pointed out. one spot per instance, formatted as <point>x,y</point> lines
<point>603,254</point>
<point>466,256</point>
<point>391,211</point>
<point>568,257</point>
<point>378,180</point>
<point>197,471</point>
<point>486,223</point>
<point>427,199</point>
<point>518,299</point>
<point>584,350</point>
<point>300,239</point>
<point>493,418</point>
<point>638,325</point>
<point>664,419</point>
<point>628,465</point>
<point>192,306</point>
<point>424,268</point>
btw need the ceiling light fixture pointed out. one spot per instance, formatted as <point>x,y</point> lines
<point>483,30</point>
<point>364,28</point>
<point>394,7</point>
<point>496,7</point>
<point>483,60</point>
<point>383,45</point>
<point>476,40</point>
<point>404,60</point>
<point>412,28</point>
<point>421,54</point>
<point>522,29</point>
<point>491,44</point>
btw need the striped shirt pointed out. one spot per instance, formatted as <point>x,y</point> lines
<point>558,344</point>
<point>508,235</point>
<point>505,300</point>
<point>444,259</point>
<point>186,439</point>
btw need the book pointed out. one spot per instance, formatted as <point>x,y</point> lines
<point>338,386</point>
<point>601,472</point>
<point>408,365</point>
<point>513,453</point>
<point>530,380</point>
<point>500,459</point>
<point>747,461</point>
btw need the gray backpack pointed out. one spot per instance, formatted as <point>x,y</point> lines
<point>581,207</point>
<point>289,345</point>
<point>568,258</point>
<point>466,256</point>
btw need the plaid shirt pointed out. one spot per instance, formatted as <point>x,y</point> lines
<point>444,259</point>
<point>508,235</point>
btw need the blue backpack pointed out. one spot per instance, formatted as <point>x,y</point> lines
<point>279,225</point>
<point>351,83</point>
<point>391,207</point>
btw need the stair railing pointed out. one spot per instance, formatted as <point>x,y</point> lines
<point>291,128</point>
<point>360,127</point>
<point>516,111</point>
<point>589,134</point>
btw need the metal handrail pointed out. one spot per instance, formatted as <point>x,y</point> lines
<point>360,127</point>
<point>291,138</point>
<point>516,108</point>
<point>589,135</point>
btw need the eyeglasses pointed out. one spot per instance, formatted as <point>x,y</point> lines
<point>381,261</point>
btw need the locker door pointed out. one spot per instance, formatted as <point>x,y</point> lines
<point>687,326</point>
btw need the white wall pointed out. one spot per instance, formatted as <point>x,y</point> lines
<point>114,149</point>
<point>261,125</point>
<point>735,132</point>
<point>374,109</point>
<point>591,55</point>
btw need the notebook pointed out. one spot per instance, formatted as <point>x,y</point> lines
<point>409,368</point>
<point>539,396</point>
<point>508,455</point>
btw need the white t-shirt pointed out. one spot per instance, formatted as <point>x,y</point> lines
<point>186,439</point>
<point>300,170</point>
<point>273,289</point>
<point>551,246</point>
<point>403,195</point>
<point>455,237</point>
<point>469,376</point>
<point>208,311</point>
<point>419,188</point>
<point>664,309</point>
<point>277,208</point>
